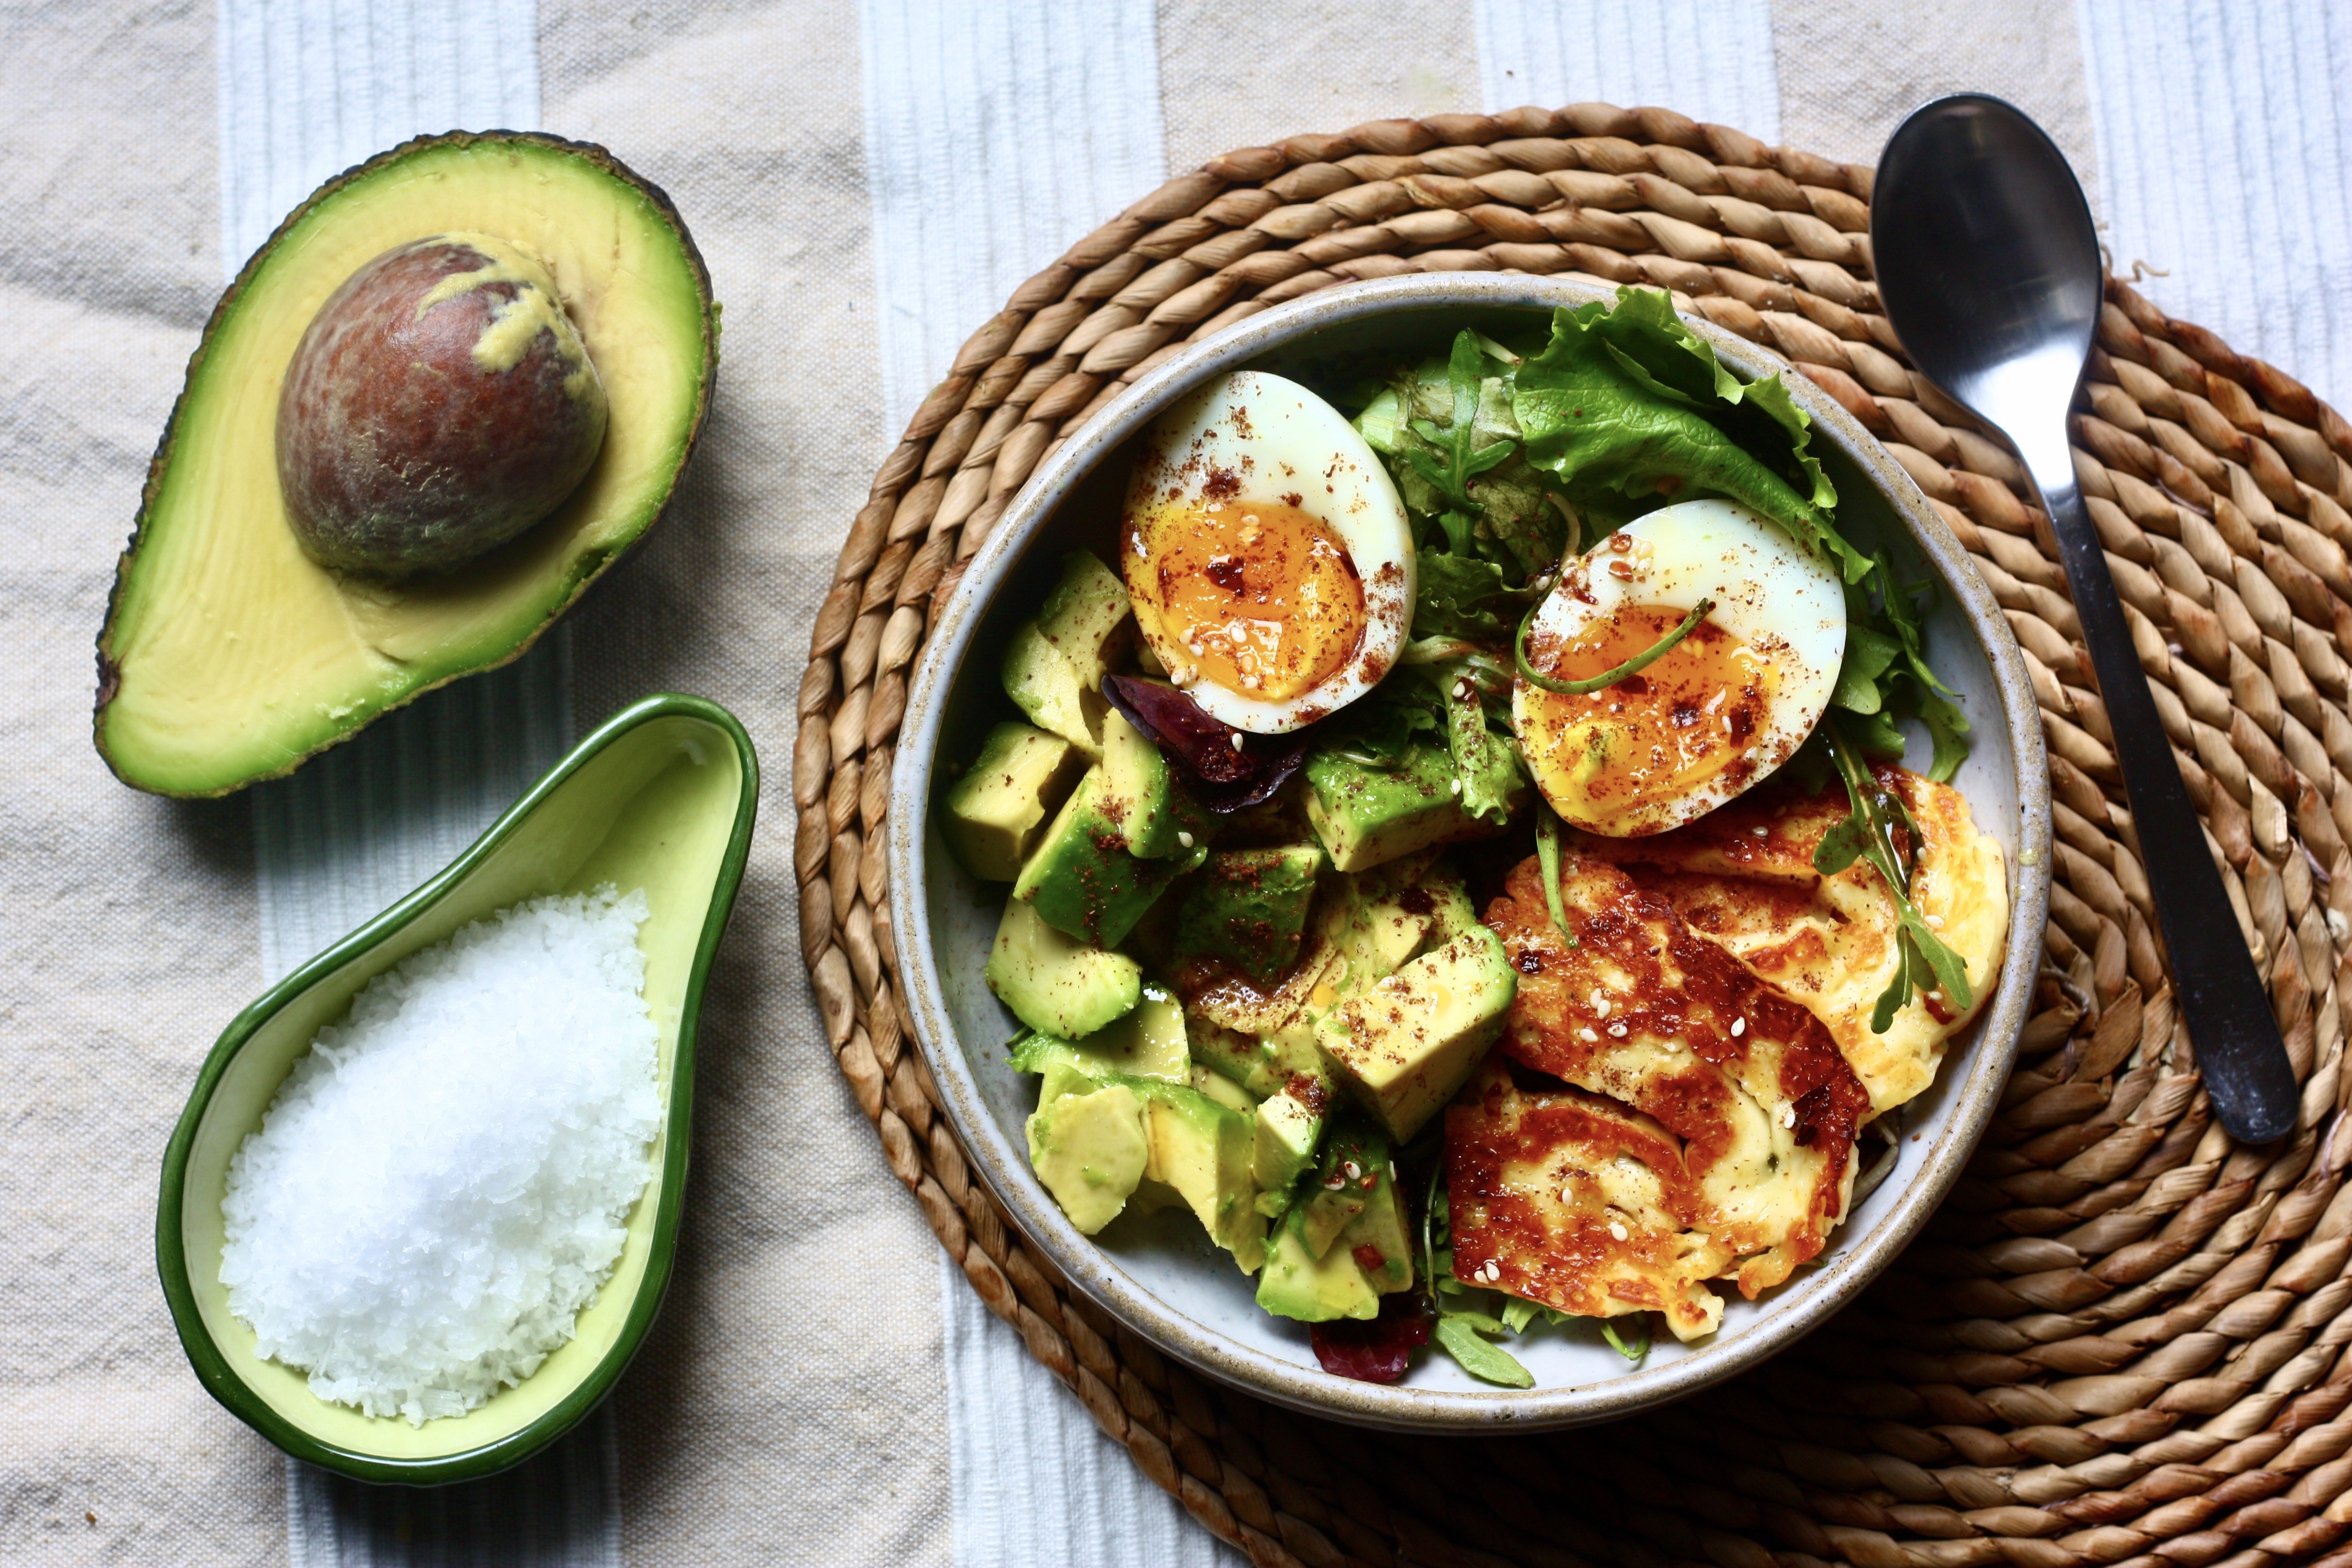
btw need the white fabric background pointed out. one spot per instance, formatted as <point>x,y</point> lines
<point>2224,143</point>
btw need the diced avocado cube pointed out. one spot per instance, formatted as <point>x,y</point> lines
<point>1451,912</point>
<point>1289,1125</point>
<point>1083,615</point>
<point>1054,984</point>
<point>1139,792</point>
<point>1236,1055</point>
<point>1354,1167</point>
<point>1232,1053</point>
<point>1203,1149</point>
<point>1249,908</point>
<point>1148,1042</point>
<point>1081,878</point>
<point>1406,1045</point>
<point>1381,935</point>
<point>1309,1287</point>
<point>1053,692</point>
<point>993,813</point>
<point>1366,815</point>
<point>1224,1091</point>
<point>1090,1151</point>
<point>1377,1239</point>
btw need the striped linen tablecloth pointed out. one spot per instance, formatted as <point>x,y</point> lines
<point>867,179</point>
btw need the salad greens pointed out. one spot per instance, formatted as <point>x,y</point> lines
<point>1510,458</point>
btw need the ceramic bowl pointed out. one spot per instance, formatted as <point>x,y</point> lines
<point>661,797</point>
<point>1164,1279</point>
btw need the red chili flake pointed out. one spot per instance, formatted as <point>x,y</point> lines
<point>1372,1258</point>
<point>1374,1352</point>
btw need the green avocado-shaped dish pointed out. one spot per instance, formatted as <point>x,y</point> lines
<point>662,798</point>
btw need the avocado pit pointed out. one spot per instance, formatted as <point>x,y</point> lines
<point>440,404</point>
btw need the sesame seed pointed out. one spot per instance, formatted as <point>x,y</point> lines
<point>1759,830</point>
<point>1588,1036</point>
<point>1567,1195</point>
<point>1184,838</point>
<point>1600,1005</point>
<point>1936,922</point>
<point>1787,1116</point>
<point>1336,1182</point>
<point>1618,1028</point>
<point>1617,1229</point>
<point>1738,1027</point>
<point>1455,788</point>
<point>1237,740</point>
<point>1352,1169</point>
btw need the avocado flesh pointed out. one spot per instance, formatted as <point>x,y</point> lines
<point>1203,1149</point>
<point>1148,1042</point>
<point>1082,879</point>
<point>1090,1151</point>
<point>227,655</point>
<point>996,810</point>
<point>1249,908</point>
<point>1308,1288</point>
<point>1366,815</point>
<point>1055,984</point>
<point>1406,1045</point>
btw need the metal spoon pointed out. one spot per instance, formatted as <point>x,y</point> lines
<point>1991,273</point>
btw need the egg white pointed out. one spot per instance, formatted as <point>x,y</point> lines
<point>1278,440</point>
<point>1767,591</point>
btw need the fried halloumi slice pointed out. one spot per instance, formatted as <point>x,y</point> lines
<point>1744,875</point>
<point>1574,1200</point>
<point>1633,1005</point>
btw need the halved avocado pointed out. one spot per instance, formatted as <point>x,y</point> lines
<point>227,655</point>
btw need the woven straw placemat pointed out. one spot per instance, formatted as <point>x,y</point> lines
<point>2118,1340</point>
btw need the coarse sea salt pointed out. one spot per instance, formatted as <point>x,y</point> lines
<point>444,1179</point>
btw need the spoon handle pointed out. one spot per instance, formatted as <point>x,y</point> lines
<point>2222,998</point>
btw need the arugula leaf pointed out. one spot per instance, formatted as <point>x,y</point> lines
<point>1869,834</point>
<point>1634,1344</point>
<point>1518,1312</point>
<point>1489,1362</point>
<point>1548,861</point>
<point>1867,654</point>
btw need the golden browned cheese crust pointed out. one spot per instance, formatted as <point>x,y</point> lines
<point>1574,1200</point>
<point>1744,875</point>
<point>1640,1008</point>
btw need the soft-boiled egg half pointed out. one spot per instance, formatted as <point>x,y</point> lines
<point>1715,713</point>
<point>1267,554</point>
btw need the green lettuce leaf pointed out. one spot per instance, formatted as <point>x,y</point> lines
<point>1628,400</point>
<point>1458,596</point>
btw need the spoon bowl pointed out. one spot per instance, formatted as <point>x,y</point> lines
<point>1987,257</point>
<point>660,798</point>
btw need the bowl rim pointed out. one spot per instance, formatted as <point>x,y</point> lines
<point>204,1353</point>
<point>1202,1347</point>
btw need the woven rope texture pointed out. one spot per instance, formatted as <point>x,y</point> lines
<point>2119,1340</point>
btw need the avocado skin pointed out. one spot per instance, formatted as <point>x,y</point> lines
<point>110,675</point>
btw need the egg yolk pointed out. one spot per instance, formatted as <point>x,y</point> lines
<point>1258,597</point>
<point>1691,715</point>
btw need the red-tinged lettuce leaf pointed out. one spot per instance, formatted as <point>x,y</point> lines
<point>1377,1351</point>
<point>1222,776</point>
